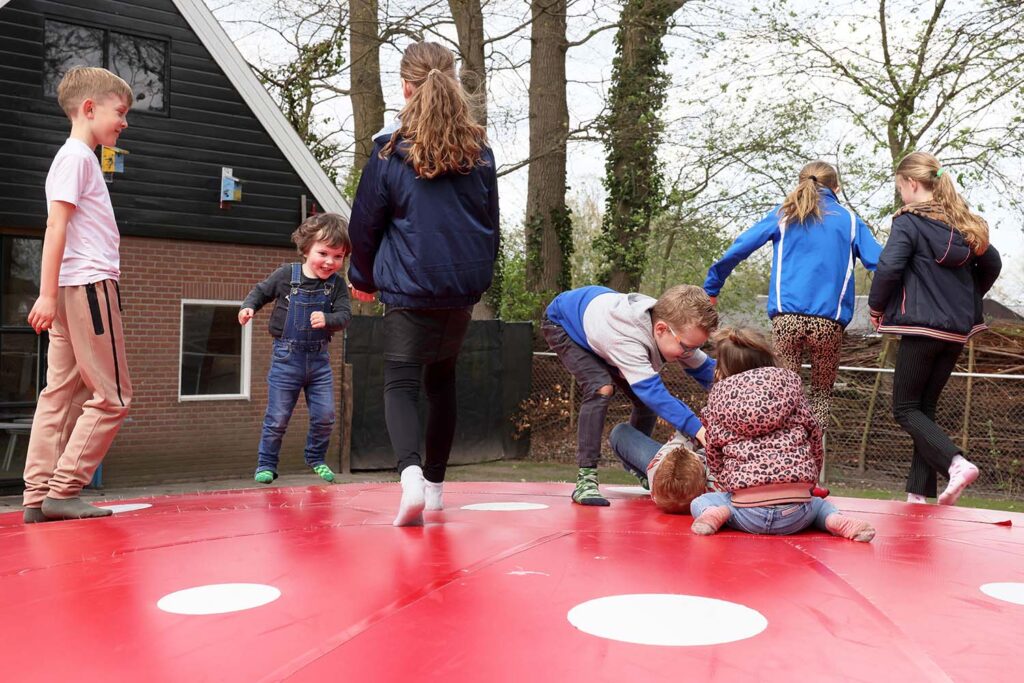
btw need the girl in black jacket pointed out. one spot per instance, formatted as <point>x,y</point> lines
<point>424,230</point>
<point>931,277</point>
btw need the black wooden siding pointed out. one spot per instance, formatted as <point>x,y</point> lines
<point>171,183</point>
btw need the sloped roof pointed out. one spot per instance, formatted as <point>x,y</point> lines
<point>227,56</point>
<point>230,60</point>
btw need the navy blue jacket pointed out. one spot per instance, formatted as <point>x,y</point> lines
<point>928,281</point>
<point>423,243</point>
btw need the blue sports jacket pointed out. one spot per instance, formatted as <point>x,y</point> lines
<point>812,262</point>
<point>423,243</point>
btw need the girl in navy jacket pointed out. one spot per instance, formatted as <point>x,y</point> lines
<point>815,241</point>
<point>932,275</point>
<point>424,230</point>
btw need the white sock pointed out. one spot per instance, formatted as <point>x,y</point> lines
<point>434,495</point>
<point>962,473</point>
<point>410,510</point>
<point>916,498</point>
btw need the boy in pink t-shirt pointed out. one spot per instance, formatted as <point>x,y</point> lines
<point>88,390</point>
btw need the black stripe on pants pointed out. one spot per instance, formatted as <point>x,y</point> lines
<point>402,381</point>
<point>923,366</point>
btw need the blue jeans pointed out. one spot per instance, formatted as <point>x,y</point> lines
<point>777,520</point>
<point>296,366</point>
<point>633,448</point>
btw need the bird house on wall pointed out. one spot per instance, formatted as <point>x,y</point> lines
<point>230,187</point>
<point>112,161</point>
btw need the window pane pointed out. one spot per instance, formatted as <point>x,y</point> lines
<point>211,350</point>
<point>19,279</point>
<point>18,359</point>
<point>140,61</point>
<point>67,45</point>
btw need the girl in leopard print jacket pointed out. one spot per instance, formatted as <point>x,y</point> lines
<point>764,447</point>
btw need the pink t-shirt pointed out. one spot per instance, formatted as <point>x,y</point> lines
<point>91,247</point>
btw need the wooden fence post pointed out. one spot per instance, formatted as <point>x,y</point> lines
<point>967,400</point>
<point>861,457</point>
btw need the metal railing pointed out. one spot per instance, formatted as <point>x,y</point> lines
<point>982,412</point>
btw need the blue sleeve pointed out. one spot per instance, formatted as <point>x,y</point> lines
<point>369,219</point>
<point>865,246</point>
<point>705,374</point>
<point>745,245</point>
<point>655,395</point>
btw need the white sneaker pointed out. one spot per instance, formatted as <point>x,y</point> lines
<point>961,475</point>
<point>917,498</point>
<point>410,509</point>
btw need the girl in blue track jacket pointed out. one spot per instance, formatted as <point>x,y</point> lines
<point>815,241</point>
<point>424,230</point>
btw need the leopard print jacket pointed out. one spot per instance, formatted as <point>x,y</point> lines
<point>760,430</point>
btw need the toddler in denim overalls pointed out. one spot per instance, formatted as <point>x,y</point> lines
<point>300,359</point>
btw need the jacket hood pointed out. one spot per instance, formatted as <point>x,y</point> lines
<point>382,136</point>
<point>948,247</point>
<point>754,402</point>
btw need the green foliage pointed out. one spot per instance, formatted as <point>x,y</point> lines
<point>631,131</point>
<point>509,295</point>
<point>297,85</point>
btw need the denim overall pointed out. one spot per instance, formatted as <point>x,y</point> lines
<point>300,361</point>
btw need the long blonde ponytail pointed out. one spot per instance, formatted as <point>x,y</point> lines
<point>439,134</point>
<point>926,169</point>
<point>804,201</point>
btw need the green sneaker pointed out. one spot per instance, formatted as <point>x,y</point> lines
<point>643,481</point>
<point>324,472</point>
<point>586,492</point>
<point>264,477</point>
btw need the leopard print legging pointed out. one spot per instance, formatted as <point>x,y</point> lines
<point>792,336</point>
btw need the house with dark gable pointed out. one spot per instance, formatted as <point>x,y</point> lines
<point>207,184</point>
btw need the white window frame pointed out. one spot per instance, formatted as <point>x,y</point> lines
<point>246,368</point>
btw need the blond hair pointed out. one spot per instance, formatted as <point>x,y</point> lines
<point>329,228</point>
<point>437,126</point>
<point>926,169</point>
<point>684,305</point>
<point>677,481</point>
<point>804,201</point>
<point>90,83</point>
<point>738,349</point>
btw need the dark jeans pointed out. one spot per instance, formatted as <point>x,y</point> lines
<point>634,449</point>
<point>592,373</point>
<point>422,347</point>
<point>295,367</point>
<point>923,366</point>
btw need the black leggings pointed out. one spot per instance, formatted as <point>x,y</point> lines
<point>923,366</point>
<point>402,381</point>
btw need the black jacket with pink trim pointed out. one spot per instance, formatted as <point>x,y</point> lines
<point>928,281</point>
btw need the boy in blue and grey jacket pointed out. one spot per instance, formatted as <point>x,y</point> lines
<point>603,338</point>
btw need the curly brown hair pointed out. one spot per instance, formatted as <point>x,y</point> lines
<point>330,228</point>
<point>679,479</point>
<point>437,130</point>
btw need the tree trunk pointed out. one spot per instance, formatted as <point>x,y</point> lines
<point>632,131</point>
<point>548,228</point>
<point>469,24</point>
<point>367,96</point>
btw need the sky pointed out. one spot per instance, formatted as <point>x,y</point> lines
<point>589,71</point>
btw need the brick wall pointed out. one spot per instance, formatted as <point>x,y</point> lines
<point>167,439</point>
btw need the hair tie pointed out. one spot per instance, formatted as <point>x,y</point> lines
<point>813,177</point>
<point>938,174</point>
<point>433,71</point>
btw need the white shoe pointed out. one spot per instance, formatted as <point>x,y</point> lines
<point>961,475</point>
<point>434,495</point>
<point>410,509</point>
<point>917,498</point>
